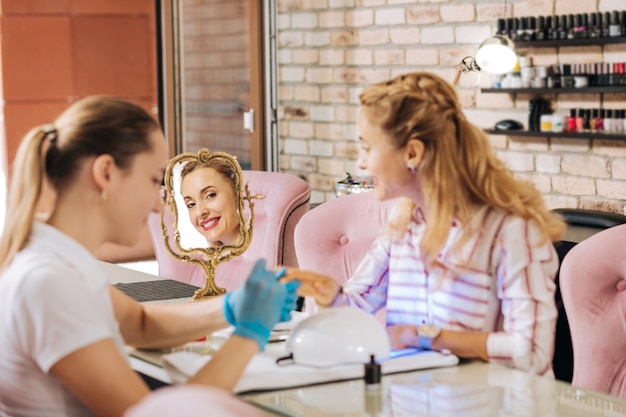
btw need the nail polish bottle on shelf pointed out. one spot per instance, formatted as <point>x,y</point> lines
<point>540,33</point>
<point>586,120</point>
<point>562,26</point>
<point>600,121</point>
<point>514,30</point>
<point>501,27</point>
<point>621,116</point>
<point>608,121</point>
<point>595,27</point>
<point>606,21</point>
<point>593,121</point>
<point>552,25</point>
<point>571,121</point>
<point>584,27</point>
<point>570,26</point>
<point>579,120</point>
<point>615,26</point>
<point>531,30</point>
<point>522,29</point>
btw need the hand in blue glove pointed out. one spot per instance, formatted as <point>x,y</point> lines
<point>256,307</point>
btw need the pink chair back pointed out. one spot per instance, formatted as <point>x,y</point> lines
<point>593,288</point>
<point>287,199</point>
<point>334,237</point>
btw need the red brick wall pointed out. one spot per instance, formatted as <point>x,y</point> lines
<point>54,52</point>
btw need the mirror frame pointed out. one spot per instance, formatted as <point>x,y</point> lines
<point>210,257</point>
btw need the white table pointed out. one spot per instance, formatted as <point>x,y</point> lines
<point>469,389</point>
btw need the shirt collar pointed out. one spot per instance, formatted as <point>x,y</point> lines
<point>53,241</point>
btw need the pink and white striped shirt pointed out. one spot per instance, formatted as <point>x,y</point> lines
<point>502,282</point>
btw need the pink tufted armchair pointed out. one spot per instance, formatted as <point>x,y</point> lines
<point>333,237</point>
<point>287,199</point>
<point>593,288</point>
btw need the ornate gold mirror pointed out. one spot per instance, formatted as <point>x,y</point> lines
<point>212,212</point>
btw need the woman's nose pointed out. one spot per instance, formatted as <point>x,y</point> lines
<point>360,162</point>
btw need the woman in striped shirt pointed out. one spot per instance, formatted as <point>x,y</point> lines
<point>466,263</point>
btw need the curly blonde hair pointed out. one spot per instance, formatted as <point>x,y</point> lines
<point>459,171</point>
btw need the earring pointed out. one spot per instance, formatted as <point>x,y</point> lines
<point>411,167</point>
<point>104,195</point>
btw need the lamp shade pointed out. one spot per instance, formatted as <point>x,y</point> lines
<point>496,55</point>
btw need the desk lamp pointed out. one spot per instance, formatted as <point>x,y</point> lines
<point>495,55</point>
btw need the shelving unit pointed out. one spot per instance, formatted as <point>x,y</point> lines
<point>580,90</point>
<point>571,135</point>
<point>571,42</point>
<point>555,91</point>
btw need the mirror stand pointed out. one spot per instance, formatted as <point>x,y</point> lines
<point>208,258</point>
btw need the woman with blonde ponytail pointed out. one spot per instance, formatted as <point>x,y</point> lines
<point>466,263</point>
<point>63,328</point>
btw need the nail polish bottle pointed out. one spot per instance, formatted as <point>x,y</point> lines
<point>522,30</point>
<point>551,28</point>
<point>593,121</point>
<point>571,121</point>
<point>623,18</point>
<point>600,121</point>
<point>613,74</point>
<point>606,20</point>
<point>501,27</point>
<point>514,30</point>
<point>567,80</point>
<point>586,120</point>
<point>594,29</point>
<point>584,27</point>
<point>563,27</point>
<point>577,27</point>
<point>570,26</point>
<point>608,121</point>
<point>615,27</point>
<point>531,30</point>
<point>579,120</point>
<point>540,33</point>
<point>621,116</point>
<point>592,75</point>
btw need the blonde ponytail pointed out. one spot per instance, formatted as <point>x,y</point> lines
<point>24,191</point>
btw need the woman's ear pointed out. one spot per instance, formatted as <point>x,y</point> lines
<point>415,151</point>
<point>102,171</point>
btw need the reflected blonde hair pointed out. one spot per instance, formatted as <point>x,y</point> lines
<point>90,127</point>
<point>459,171</point>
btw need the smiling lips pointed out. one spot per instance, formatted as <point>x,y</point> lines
<point>210,223</point>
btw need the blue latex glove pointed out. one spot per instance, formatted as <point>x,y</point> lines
<point>256,307</point>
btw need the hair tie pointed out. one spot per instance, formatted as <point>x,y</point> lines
<point>50,132</point>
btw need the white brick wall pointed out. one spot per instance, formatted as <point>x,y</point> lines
<point>330,49</point>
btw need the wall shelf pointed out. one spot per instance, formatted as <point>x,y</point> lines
<point>580,90</point>
<point>570,42</point>
<point>571,135</point>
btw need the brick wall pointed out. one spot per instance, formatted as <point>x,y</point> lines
<point>330,49</point>
<point>216,76</point>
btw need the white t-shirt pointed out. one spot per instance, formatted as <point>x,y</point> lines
<point>54,300</point>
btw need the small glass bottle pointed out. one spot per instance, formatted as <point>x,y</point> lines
<point>571,121</point>
<point>606,21</point>
<point>593,121</point>
<point>608,121</point>
<point>615,26</point>
<point>563,27</point>
<point>600,121</point>
<point>570,26</point>
<point>594,29</point>
<point>540,33</point>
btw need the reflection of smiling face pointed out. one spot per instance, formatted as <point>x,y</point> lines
<point>212,205</point>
